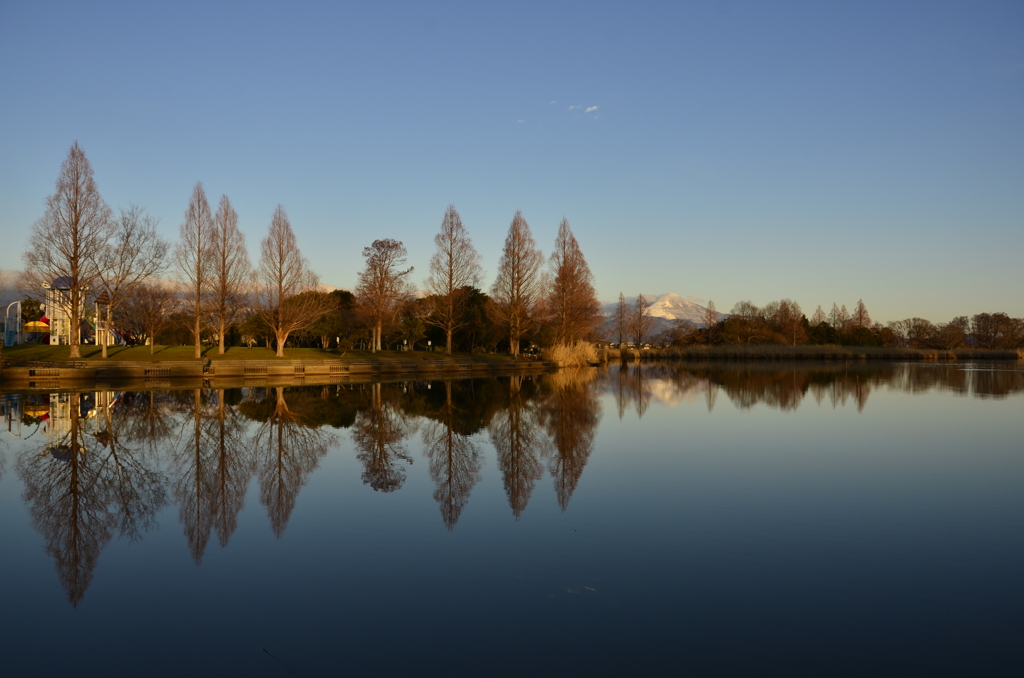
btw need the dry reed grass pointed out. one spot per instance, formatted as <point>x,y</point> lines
<point>580,354</point>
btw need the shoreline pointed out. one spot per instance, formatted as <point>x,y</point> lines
<point>46,374</point>
<point>774,352</point>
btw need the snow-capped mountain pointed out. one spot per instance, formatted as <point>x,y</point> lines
<point>667,308</point>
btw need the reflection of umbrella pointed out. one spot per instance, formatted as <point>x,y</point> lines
<point>36,410</point>
<point>36,326</point>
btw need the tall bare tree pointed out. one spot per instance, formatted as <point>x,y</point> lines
<point>454,270</point>
<point>67,240</point>
<point>861,318</point>
<point>711,322</point>
<point>620,321</point>
<point>641,323</point>
<point>193,256</point>
<point>818,318</point>
<point>382,285</point>
<point>231,270</point>
<point>134,254</point>
<point>288,289</point>
<point>519,282</point>
<point>572,301</point>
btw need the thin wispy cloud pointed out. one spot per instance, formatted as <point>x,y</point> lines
<point>552,102</point>
<point>573,108</point>
<point>520,120</point>
<point>591,109</point>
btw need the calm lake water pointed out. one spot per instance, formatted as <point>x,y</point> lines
<point>819,520</point>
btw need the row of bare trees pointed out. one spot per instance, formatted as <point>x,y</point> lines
<point>117,259</point>
<point>523,298</point>
<point>219,285</point>
<point>113,259</point>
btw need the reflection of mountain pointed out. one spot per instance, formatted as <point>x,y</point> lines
<point>83,489</point>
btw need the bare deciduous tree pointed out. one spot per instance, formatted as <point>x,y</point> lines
<point>786,317</point>
<point>572,301</point>
<point>288,290</point>
<point>818,318</point>
<point>620,321</point>
<point>66,242</point>
<point>519,282</point>
<point>134,254</point>
<point>711,321</point>
<point>193,256</point>
<point>146,310</point>
<point>454,270</point>
<point>382,285</point>
<point>230,270</point>
<point>860,315</point>
<point>839,318</point>
<point>640,322</point>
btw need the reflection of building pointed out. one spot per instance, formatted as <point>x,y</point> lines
<point>58,308</point>
<point>89,419</point>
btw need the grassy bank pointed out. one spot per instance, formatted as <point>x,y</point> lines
<point>33,353</point>
<point>821,353</point>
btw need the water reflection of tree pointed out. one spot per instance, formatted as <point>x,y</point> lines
<point>288,449</point>
<point>784,386</point>
<point>632,386</point>
<point>146,418</point>
<point>194,469</point>
<point>453,460</point>
<point>378,435</point>
<point>517,438</point>
<point>82,490</point>
<point>232,467</point>
<point>570,412</point>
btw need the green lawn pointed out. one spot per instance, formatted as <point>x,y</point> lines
<point>141,353</point>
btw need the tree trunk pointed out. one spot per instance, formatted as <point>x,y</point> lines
<point>220,349</point>
<point>106,333</point>
<point>448,347</point>
<point>199,349</point>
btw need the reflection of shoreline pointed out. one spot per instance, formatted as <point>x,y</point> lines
<point>223,374</point>
<point>786,387</point>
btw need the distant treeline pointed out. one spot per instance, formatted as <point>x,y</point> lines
<point>783,323</point>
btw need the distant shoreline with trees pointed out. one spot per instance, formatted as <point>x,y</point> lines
<point>107,264</point>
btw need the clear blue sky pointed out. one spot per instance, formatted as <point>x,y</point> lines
<point>818,151</point>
